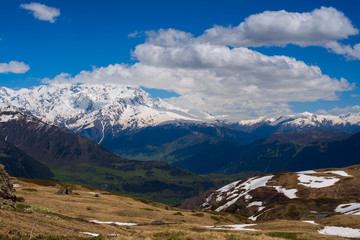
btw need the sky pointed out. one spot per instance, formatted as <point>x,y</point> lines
<point>235,59</point>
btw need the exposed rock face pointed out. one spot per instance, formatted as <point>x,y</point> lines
<point>7,196</point>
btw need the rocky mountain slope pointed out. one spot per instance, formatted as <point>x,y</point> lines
<point>288,151</point>
<point>20,164</point>
<point>305,195</point>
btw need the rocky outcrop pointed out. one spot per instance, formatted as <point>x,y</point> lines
<point>66,191</point>
<point>7,195</point>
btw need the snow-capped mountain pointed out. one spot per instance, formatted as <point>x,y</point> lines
<point>303,122</point>
<point>94,110</point>
<point>101,111</point>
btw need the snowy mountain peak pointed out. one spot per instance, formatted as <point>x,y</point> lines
<point>107,108</point>
<point>306,121</point>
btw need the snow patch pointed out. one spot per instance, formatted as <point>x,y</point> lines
<point>316,182</point>
<point>290,193</point>
<point>341,231</point>
<point>254,217</point>
<point>116,223</point>
<point>94,193</point>
<point>310,221</point>
<point>226,188</point>
<point>341,173</point>
<point>236,227</point>
<point>15,185</point>
<point>91,234</point>
<point>307,172</point>
<point>256,203</point>
<point>7,118</point>
<point>349,208</point>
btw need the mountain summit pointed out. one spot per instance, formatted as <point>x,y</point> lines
<point>94,110</point>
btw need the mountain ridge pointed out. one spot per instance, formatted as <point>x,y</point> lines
<point>94,110</point>
<point>287,195</point>
<point>97,111</point>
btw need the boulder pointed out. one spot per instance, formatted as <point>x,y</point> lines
<point>66,191</point>
<point>7,191</point>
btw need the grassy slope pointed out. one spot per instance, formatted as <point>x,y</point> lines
<point>45,213</point>
<point>157,183</point>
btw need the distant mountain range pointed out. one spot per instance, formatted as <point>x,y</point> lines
<point>303,122</point>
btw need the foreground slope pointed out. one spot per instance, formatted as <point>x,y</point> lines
<point>44,214</point>
<point>305,195</point>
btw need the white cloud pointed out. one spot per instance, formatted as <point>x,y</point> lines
<point>340,111</point>
<point>14,67</point>
<point>322,27</point>
<point>42,12</point>
<point>238,82</point>
<point>351,52</point>
<point>279,28</point>
<point>234,81</point>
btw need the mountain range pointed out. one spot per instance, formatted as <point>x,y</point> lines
<point>108,111</point>
<point>133,125</point>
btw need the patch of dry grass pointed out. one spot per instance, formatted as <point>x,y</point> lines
<point>67,216</point>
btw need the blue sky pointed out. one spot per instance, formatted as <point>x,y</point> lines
<point>93,35</point>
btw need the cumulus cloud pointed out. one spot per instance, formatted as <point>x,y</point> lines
<point>234,81</point>
<point>14,67</point>
<point>340,111</point>
<point>238,82</point>
<point>322,27</point>
<point>279,28</point>
<point>351,52</point>
<point>42,12</point>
